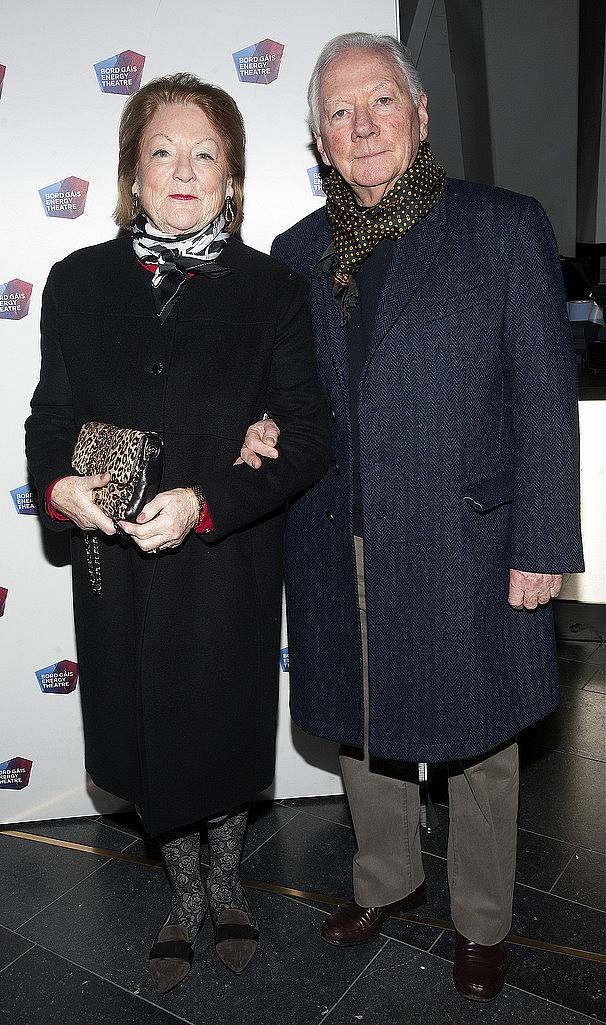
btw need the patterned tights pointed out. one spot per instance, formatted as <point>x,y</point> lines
<point>190,899</point>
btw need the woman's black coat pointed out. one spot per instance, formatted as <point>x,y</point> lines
<point>178,655</point>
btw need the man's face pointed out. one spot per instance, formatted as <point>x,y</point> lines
<point>370,129</point>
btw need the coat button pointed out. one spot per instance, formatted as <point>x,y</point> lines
<point>336,468</point>
<point>157,368</point>
<point>329,516</point>
<point>332,414</point>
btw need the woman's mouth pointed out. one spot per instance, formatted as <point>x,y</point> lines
<point>181,195</point>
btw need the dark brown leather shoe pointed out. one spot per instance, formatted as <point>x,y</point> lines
<point>352,924</point>
<point>479,972</point>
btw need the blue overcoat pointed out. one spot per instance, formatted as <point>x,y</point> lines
<point>469,466</point>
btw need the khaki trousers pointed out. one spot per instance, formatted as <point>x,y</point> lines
<point>384,802</point>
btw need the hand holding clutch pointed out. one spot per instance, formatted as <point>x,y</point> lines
<point>74,498</point>
<point>166,521</point>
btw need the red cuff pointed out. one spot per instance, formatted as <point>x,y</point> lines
<point>51,512</point>
<point>205,524</point>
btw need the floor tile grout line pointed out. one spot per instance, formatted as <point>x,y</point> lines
<point>569,862</point>
<point>352,984</point>
<point>123,832</point>
<point>523,829</point>
<point>116,856</point>
<point>110,982</point>
<point>511,985</point>
<point>19,956</point>
<point>595,673</point>
<point>325,818</point>
<point>553,1003</point>
<point>429,949</point>
<point>104,862</point>
<point>528,942</point>
<point>558,896</point>
<point>186,1021</point>
<point>267,839</point>
<point>541,748</point>
<point>537,889</point>
<point>578,847</point>
<point>418,950</point>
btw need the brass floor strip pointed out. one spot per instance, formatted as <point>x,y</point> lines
<point>289,891</point>
<point>83,848</point>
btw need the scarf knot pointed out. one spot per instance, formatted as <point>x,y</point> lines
<point>178,256</point>
<point>356,230</point>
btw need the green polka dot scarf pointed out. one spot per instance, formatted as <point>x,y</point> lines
<point>357,230</point>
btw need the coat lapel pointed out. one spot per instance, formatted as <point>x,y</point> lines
<point>412,260</point>
<point>333,334</point>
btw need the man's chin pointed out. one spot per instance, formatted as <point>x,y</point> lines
<point>373,177</point>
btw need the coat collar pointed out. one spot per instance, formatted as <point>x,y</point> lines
<point>412,260</point>
<point>133,286</point>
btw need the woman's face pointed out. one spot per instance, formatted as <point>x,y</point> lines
<point>182,179</point>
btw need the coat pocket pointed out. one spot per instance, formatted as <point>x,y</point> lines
<point>455,304</point>
<point>491,492</point>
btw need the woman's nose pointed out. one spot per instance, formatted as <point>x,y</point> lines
<point>184,170</point>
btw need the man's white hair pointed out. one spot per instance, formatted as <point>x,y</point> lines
<point>387,46</point>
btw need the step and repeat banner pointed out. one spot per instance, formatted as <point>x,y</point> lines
<point>66,70</point>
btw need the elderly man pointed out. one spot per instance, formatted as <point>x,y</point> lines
<point>420,570</point>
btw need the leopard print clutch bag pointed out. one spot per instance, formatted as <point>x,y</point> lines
<point>134,460</point>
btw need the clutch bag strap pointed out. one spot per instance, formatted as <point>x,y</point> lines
<point>93,560</point>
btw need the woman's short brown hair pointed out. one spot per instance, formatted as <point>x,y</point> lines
<point>220,109</point>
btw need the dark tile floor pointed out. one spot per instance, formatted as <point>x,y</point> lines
<point>75,925</point>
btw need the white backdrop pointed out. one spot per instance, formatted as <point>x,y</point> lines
<point>58,138</point>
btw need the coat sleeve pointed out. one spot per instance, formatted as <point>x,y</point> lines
<point>546,533</point>
<point>50,433</point>
<point>239,495</point>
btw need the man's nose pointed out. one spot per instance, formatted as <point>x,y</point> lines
<point>363,125</point>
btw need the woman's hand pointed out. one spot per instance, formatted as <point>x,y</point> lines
<point>165,521</point>
<point>73,497</point>
<point>261,440</point>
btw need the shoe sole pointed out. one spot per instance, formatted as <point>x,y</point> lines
<point>476,999</point>
<point>369,939</point>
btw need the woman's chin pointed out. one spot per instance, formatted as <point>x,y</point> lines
<point>180,220</point>
<point>180,226</point>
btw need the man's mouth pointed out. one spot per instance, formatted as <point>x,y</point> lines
<point>366,156</point>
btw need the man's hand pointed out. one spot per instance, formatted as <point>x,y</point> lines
<point>73,497</point>
<point>527,590</point>
<point>165,521</point>
<point>261,440</point>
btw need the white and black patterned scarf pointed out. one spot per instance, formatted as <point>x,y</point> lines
<point>177,256</point>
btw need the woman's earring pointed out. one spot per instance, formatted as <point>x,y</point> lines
<point>229,210</point>
<point>135,207</point>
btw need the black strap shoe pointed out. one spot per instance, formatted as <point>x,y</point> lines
<point>171,957</point>
<point>236,939</point>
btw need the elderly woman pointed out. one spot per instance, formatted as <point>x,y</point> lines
<point>177,327</point>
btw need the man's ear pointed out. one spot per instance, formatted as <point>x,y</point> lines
<point>321,150</point>
<point>423,117</point>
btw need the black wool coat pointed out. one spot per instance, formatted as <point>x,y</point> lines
<point>179,654</point>
<point>469,467</point>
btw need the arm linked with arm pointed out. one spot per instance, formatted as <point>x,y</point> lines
<point>239,495</point>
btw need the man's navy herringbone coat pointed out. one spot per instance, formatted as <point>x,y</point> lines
<point>469,466</point>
